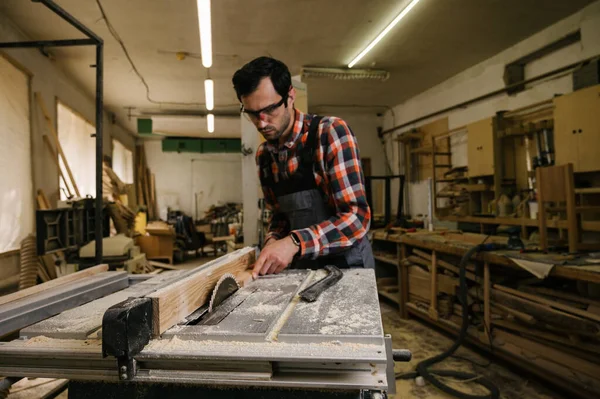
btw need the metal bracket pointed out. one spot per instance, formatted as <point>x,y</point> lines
<point>126,329</point>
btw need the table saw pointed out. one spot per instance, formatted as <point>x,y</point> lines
<point>261,341</point>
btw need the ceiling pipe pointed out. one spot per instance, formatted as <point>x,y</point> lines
<point>489,95</point>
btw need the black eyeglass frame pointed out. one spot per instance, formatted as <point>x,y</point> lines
<point>266,110</point>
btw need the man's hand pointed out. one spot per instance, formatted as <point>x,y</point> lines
<point>275,256</point>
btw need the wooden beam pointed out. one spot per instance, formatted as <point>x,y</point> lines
<point>552,304</point>
<point>433,309</point>
<point>70,278</point>
<point>487,300</point>
<point>545,313</point>
<point>181,298</point>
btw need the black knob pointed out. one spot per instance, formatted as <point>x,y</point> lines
<point>401,355</point>
<point>574,131</point>
<point>580,131</point>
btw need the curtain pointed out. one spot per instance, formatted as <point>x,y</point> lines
<point>74,134</point>
<point>16,193</point>
<point>122,162</point>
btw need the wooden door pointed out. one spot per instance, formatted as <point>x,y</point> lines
<point>565,131</point>
<point>480,148</point>
<point>588,129</point>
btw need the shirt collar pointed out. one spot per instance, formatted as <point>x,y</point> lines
<point>297,130</point>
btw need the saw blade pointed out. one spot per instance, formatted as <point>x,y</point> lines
<point>224,288</point>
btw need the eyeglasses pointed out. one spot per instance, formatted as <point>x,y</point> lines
<point>269,110</point>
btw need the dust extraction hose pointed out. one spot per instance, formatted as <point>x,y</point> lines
<point>430,375</point>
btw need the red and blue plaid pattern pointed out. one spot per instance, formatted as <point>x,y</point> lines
<point>339,176</point>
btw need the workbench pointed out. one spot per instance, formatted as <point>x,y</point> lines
<point>267,342</point>
<point>439,254</point>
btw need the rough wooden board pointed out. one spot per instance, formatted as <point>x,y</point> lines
<point>80,322</point>
<point>553,304</point>
<point>176,301</point>
<point>70,278</point>
<point>36,388</point>
<point>546,314</point>
<point>582,366</point>
<point>534,332</point>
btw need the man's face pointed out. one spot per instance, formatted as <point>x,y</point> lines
<point>274,118</point>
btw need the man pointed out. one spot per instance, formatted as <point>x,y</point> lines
<point>311,177</point>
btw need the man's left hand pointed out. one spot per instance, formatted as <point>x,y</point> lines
<point>275,257</point>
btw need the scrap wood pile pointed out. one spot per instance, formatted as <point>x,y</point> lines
<point>145,184</point>
<point>553,325</point>
<point>121,199</point>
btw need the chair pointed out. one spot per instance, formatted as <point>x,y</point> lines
<point>557,184</point>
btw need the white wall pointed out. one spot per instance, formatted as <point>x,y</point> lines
<point>488,76</point>
<point>48,79</point>
<point>183,178</point>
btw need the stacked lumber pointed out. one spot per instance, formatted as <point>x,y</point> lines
<point>552,331</point>
<point>145,184</point>
<point>120,207</point>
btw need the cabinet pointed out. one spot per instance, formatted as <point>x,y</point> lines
<point>577,129</point>
<point>480,148</point>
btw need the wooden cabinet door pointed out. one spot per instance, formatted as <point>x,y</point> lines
<point>480,148</point>
<point>565,133</point>
<point>588,129</point>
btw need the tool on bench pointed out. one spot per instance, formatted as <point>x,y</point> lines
<point>311,293</point>
<point>514,240</point>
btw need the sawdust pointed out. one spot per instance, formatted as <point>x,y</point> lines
<point>330,349</point>
<point>350,307</point>
<point>45,342</point>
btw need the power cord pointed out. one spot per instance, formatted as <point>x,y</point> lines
<point>423,368</point>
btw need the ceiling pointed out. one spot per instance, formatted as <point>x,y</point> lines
<point>437,39</point>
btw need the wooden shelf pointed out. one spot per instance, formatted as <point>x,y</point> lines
<point>591,190</point>
<point>385,259</point>
<point>391,297</point>
<point>561,224</point>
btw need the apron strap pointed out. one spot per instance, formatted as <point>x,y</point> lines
<point>308,153</point>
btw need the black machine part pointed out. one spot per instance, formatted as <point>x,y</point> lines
<point>126,329</point>
<point>514,239</point>
<point>311,293</point>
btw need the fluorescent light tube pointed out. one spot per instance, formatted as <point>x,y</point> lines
<point>210,121</point>
<point>205,32</point>
<point>209,93</point>
<point>405,11</point>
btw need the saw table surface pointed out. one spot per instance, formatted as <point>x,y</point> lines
<point>263,335</point>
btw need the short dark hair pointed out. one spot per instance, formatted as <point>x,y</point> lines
<point>247,78</point>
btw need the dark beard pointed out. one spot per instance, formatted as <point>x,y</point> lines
<point>282,130</point>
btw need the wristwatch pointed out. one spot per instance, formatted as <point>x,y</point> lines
<point>295,240</point>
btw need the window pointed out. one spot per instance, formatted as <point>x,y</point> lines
<point>122,162</point>
<point>79,147</point>
<point>16,193</point>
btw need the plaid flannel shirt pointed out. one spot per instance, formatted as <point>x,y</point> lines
<point>338,175</point>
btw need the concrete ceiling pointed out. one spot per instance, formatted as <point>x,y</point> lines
<point>438,39</point>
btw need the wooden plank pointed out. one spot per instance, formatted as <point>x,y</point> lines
<point>70,278</point>
<point>433,309</point>
<point>178,300</point>
<point>403,281</point>
<point>54,157</point>
<point>582,366</point>
<point>46,115</point>
<point>546,335</point>
<point>562,295</point>
<point>486,299</point>
<point>524,317</point>
<point>545,313</point>
<point>471,276</point>
<point>552,304</point>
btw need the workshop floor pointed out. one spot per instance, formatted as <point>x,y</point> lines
<point>425,342</point>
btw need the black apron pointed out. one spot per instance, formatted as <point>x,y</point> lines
<point>304,205</point>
